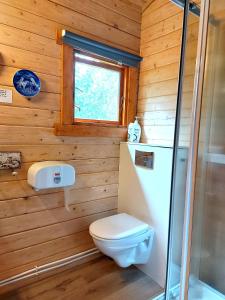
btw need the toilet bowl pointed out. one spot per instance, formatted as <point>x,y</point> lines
<point>124,238</point>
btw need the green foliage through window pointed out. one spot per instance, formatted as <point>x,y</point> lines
<point>97,92</point>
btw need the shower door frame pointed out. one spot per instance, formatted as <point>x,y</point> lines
<point>193,146</point>
<point>176,143</point>
<point>193,149</point>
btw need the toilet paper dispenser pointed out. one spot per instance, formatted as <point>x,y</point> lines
<point>51,174</point>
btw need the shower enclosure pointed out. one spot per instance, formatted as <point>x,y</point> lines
<point>196,260</point>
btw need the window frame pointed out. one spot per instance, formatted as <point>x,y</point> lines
<point>69,127</point>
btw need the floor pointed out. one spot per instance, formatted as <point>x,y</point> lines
<point>96,280</point>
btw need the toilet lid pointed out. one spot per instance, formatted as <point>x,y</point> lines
<point>117,227</point>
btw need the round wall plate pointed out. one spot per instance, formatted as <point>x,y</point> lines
<point>27,83</point>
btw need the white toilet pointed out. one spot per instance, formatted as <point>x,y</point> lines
<point>124,238</point>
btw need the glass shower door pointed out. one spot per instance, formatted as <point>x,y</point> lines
<point>201,265</point>
<point>207,260</point>
<point>181,148</point>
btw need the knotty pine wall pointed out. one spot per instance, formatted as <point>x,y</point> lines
<point>161,32</point>
<point>35,228</point>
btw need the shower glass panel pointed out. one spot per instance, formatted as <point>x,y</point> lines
<point>181,157</point>
<point>207,269</point>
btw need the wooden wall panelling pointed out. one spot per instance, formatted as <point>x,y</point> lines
<point>160,47</point>
<point>43,100</point>
<point>168,87</point>
<point>29,254</point>
<point>20,58</point>
<point>154,5</point>
<point>89,149</point>
<point>24,206</point>
<point>34,117</point>
<point>109,17</point>
<point>11,36</point>
<point>41,235</point>
<point>50,84</point>
<point>36,135</point>
<point>162,28</point>
<point>20,188</point>
<point>35,226</point>
<point>123,8</point>
<point>154,14</point>
<point>139,3</point>
<point>43,218</point>
<point>170,40</point>
<point>90,165</point>
<point>164,73</point>
<point>79,22</point>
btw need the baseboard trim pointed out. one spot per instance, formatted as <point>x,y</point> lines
<point>38,270</point>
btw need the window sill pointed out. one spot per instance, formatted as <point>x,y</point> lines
<point>91,130</point>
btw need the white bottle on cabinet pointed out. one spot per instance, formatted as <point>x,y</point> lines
<point>134,131</point>
<point>130,132</point>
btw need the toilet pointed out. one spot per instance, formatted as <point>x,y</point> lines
<point>124,238</point>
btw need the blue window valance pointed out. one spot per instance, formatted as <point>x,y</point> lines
<point>94,47</point>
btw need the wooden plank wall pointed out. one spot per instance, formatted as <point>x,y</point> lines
<point>35,228</point>
<point>160,48</point>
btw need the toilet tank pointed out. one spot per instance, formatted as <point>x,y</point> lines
<point>145,193</point>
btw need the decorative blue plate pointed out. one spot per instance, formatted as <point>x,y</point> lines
<point>27,83</point>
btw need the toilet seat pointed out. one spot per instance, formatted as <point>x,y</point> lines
<point>117,227</point>
<point>124,242</point>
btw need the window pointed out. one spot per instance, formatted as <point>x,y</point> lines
<point>99,88</point>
